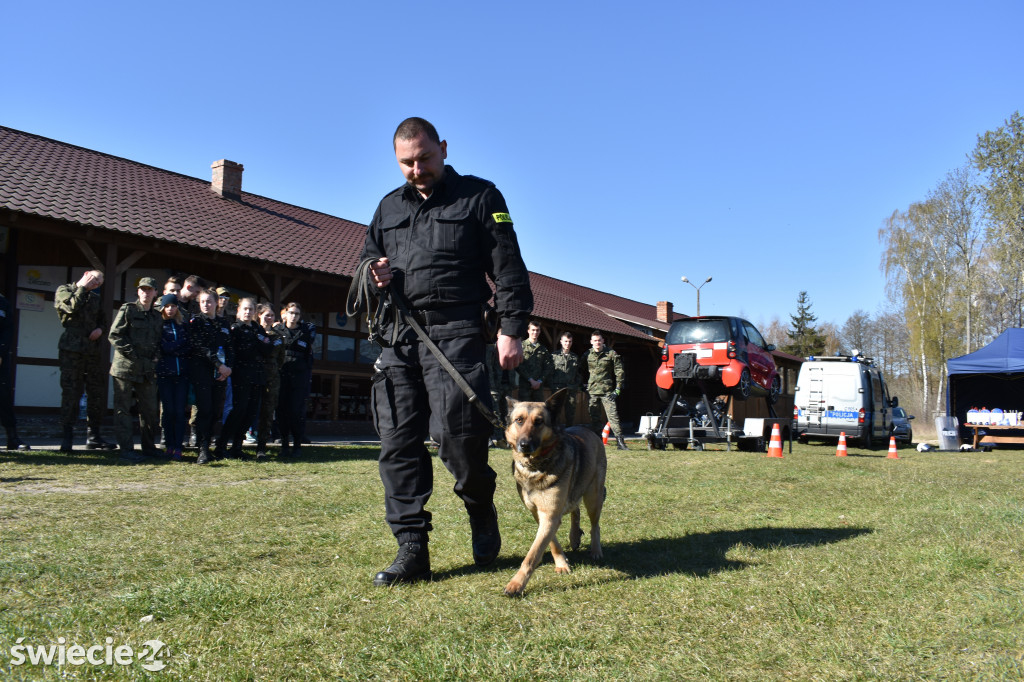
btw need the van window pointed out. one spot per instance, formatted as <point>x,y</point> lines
<point>876,384</point>
<point>843,388</point>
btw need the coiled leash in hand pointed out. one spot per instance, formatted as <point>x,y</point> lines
<point>363,289</point>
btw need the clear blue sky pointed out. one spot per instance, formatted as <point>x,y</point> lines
<point>761,143</point>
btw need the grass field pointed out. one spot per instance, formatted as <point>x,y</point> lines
<point>718,565</point>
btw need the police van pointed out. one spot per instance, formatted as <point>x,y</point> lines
<point>842,394</point>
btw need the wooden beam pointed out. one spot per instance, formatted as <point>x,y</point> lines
<point>131,260</point>
<point>90,255</point>
<point>288,289</point>
<point>262,284</point>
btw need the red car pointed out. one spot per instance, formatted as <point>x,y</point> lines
<point>721,352</point>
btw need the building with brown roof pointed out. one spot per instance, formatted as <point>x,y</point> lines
<point>65,209</point>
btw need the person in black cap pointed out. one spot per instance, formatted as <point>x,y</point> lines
<point>172,375</point>
<point>135,337</point>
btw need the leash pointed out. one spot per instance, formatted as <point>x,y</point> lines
<point>360,293</point>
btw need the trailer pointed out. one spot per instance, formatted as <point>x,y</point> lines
<point>691,422</point>
<point>710,417</point>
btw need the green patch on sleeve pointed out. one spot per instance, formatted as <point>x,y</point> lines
<point>501,217</point>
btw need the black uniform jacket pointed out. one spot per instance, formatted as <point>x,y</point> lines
<point>443,248</point>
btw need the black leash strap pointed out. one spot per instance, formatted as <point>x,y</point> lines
<point>359,295</point>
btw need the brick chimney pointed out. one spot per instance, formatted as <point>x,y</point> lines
<point>227,179</point>
<point>665,311</point>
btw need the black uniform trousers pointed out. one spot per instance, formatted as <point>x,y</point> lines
<point>6,396</point>
<point>245,405</point>
<point>291,403</point>
<point>414,396</point>
<point>209,397</point>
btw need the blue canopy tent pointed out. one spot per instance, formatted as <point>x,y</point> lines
<point>991,377</point>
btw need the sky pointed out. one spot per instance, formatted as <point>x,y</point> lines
<point>761,144</point>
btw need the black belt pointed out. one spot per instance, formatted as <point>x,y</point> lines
<point>359,294</point>
<point>462,313</point>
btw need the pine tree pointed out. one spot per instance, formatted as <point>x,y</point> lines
<point>806,340</point>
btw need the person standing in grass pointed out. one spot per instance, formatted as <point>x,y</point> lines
<point>252,346</point>
<point>172,375</point>
<point>298,339</point>
<point>210,360</point>
<point>272,369</point>
<point>437,240</point>
<point>82,366</point>
<point>565,374</point>
<point>135,336</point>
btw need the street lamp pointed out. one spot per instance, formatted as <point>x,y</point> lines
<point>698,288</point>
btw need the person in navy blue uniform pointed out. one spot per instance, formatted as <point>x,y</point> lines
<point>172,375</point>
<point>437,240</point>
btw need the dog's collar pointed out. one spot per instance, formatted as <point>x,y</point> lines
<point>544,452</point>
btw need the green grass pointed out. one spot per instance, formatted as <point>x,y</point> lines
<point>718,565</point>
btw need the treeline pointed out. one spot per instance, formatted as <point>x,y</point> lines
<point>954,269</point>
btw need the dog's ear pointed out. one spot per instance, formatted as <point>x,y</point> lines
<point>512,402</point>
<point>556,402</point>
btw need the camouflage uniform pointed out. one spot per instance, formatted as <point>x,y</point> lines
<point>272,368</point>
<point>81,363</point>
<point>606,378</point>
<point>536,365</point>
<point>135,336</point>
<point>566,374</point>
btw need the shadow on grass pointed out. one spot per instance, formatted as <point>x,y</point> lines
<point>309,453</point>
<point>703,554</point>
<point>699,554</point>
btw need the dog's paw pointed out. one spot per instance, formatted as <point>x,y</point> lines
<point>514,588</point>
<point>563,569</point>
<point>596,553</point>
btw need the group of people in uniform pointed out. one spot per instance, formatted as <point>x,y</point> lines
<point>599,373</point>
<point>179,359</point>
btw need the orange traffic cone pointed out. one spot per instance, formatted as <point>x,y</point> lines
<point>841,448</point>
<point>606,432</point>
<point>775,445</point>
<point>892,448</point>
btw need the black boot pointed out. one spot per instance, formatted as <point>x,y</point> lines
<point>411,565</point>
<point>622,442</point>
<point>15,443</point>
<point>67,440</point>
<point>94,441</point>
<point>204,453</point>
<point>127,454</point>
<point>486,538</point>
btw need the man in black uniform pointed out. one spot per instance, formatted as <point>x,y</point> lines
<point>6,392</point>
<point>436,240</point>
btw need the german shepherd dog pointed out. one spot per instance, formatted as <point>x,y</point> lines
<point>555,469</point>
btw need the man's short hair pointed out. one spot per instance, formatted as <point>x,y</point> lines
<point>533,323</point>
<point>596,332</point>
<point>196,281</point>
<point>566,334</point>
<point>413,127</point>
<point>177,279</point>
